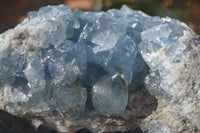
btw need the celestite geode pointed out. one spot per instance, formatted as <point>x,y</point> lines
<point>75,69</point>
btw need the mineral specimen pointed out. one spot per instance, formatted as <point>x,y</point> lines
<point>99,70</point>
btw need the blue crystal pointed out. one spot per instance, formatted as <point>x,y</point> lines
<point>110,95</point>
<point>62,59</point>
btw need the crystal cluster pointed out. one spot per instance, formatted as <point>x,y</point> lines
<point>88,64</point>
<point>58,59</point>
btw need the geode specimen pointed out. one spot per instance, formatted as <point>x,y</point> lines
<point>105,71</point>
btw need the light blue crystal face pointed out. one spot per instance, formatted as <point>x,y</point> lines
<point>110,95</point>
<point>162,46</point>
<point>64,60</point>
<point>103,35</point>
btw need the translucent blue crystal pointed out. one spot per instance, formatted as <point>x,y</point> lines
<point>110,95</point>
<point>64,60</point>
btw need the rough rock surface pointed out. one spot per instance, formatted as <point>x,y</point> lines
<point>108,71</point>
<point>181,112</point>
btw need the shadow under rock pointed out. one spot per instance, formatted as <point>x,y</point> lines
<point>13,124</point>
<point>137,130</point>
